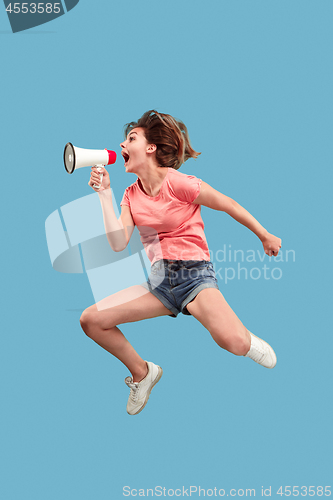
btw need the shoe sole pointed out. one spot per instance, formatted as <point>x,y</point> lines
<point>158,376</point>
<point>269,367</point>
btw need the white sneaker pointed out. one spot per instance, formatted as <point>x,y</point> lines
<point>140,391</point>
<point>261,352</point>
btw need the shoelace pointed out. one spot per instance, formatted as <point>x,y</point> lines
<point>134,390</point>
<point>258,354</point>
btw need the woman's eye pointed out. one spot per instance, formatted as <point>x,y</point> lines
<point>131,138</point>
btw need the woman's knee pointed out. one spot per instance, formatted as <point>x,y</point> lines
<point>88,320</point>
<point>92,320</point>
<point>236,341</point>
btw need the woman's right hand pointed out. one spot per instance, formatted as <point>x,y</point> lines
<point>95,179</point>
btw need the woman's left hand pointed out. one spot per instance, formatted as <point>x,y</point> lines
<point>271,244</point>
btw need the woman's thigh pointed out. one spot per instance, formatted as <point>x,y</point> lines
<point>132,304</point>
<point>214,313</point>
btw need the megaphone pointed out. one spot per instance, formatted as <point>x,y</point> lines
<point>77,157</point>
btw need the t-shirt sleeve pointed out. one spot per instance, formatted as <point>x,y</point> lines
<point>186,187</point>
<point>125,200</point>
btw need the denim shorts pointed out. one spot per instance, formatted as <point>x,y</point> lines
<point>177,282</point>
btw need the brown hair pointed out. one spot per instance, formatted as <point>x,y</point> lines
<point>169,135</point>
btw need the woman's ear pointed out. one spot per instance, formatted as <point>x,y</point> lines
<point>151,148</point>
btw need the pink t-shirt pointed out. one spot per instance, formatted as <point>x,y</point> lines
<point>170,225</point>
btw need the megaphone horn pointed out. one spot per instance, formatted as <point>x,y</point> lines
<point>77,157</point>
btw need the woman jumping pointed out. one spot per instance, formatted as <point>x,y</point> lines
<point>165,206</point>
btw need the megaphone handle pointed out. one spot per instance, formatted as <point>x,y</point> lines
<point>99,169</point>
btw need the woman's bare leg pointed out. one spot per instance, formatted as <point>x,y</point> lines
<point>214,313</point>
<point>99,323</point>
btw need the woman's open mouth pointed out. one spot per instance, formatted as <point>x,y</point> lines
<point>125,156</point>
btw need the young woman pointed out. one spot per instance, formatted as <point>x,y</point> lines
<point>165,206</point>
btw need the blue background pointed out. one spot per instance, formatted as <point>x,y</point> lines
<point>252,80</point>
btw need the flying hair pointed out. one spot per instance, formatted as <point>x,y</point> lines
<point>169,135</point>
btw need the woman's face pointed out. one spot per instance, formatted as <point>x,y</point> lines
<point>135,150</point>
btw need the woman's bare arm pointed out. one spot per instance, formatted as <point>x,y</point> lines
<point>118,231</point>
<point>210,197</point>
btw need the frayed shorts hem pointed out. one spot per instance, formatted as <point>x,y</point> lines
<point>175,283</point>
<point>185,302</point>
<point>162,299</point>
